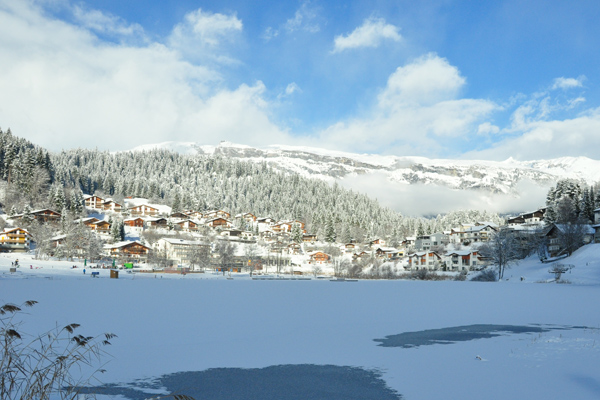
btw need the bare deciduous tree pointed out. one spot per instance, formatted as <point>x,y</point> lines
<point>502,249</point>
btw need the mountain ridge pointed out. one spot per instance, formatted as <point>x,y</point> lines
<point>502,177</point>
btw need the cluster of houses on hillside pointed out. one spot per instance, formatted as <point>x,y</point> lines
<point>453,250</point>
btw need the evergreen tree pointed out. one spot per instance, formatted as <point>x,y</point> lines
<point>296,232</point>
<point>330,235</point>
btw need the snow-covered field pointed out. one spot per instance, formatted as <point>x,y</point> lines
<point>191,323</point>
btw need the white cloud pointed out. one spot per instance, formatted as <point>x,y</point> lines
<point>568,83</point>
<point>292,88</point>
<point>270,33</point>
<point>370,34</point>
<point>487,128</point>
<point>305,18</point>
<point>202,34</point>
<point>106,23</point>
<point>418,107</point>
<point>540,139</point>
<point>63,88</point>
<point>428,80</point>
<point>420,199</point>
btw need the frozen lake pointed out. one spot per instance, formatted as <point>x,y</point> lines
<point>525,340</point>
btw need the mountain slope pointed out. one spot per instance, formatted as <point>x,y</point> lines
<point>492,176</point>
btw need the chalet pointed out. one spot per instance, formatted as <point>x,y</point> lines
<point>555,234</point>
<point>530,218</point>
<point>309,238</point>
<point>44,215</point>
<point>387,253</point>
<point>265,223</point>
<point>134,222</point>
<point>179,215</point>
<point>318,257</point>
<point>194,214</point>
<point>473,234</point>
<point>424,260</point>
<point>56,242</point>
<point>15,239</point>
<point>294,248</point>
<point>143,210</point>
<point>349,248</point>
<point>127,250</point>
<point>462,260</point>
<point>157,223</point>
<point>101,227</point>
<point>232,233</point>
<point>360,255</point>
<point>287,226</point>
<point>249,218</point>
<point>186,225</point>
<point>515,221</point>
<point>93,201</point>
<point>219,223</point>
<point>89,222</point>
<point>111,205</point>
<point>217,214</point>
<point>376,243</point>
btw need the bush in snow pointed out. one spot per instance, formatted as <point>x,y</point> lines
<point>487,275</point>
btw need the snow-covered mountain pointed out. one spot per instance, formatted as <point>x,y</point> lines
<point>490,176</point>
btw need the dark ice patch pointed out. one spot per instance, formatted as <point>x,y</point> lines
<point>280,382</point>
<point>462,334</point>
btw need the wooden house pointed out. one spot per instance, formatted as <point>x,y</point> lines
<point>219,223</point>
<point>179,215</point>
<point>93,201</point>
<point>143,210</point>
<point>309,238</point>
<point>557,232</point>
<point>137,222</point>
<point>186,225</point>
<point>376,243</point>
<point>111,205</point>
<point>217,214</point>
<point>194,214</point>
<point>318,257</point>
<point>88,222</point>
<point>387,253</point>
<point>157,223</point>
<point>101,227</point>
<point>127,250</point>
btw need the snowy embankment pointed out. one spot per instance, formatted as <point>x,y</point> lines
<point>190,323</point>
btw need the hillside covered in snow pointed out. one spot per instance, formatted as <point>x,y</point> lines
<point>415,185</point>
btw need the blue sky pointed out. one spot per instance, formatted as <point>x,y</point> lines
<point>444,79</point>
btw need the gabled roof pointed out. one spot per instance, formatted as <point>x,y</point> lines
<point>126,243</point>
<point>10,230</point>
<point>587,229</point>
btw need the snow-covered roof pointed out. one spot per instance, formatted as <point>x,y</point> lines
<point>183,241</point>
<point>125,243</point>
